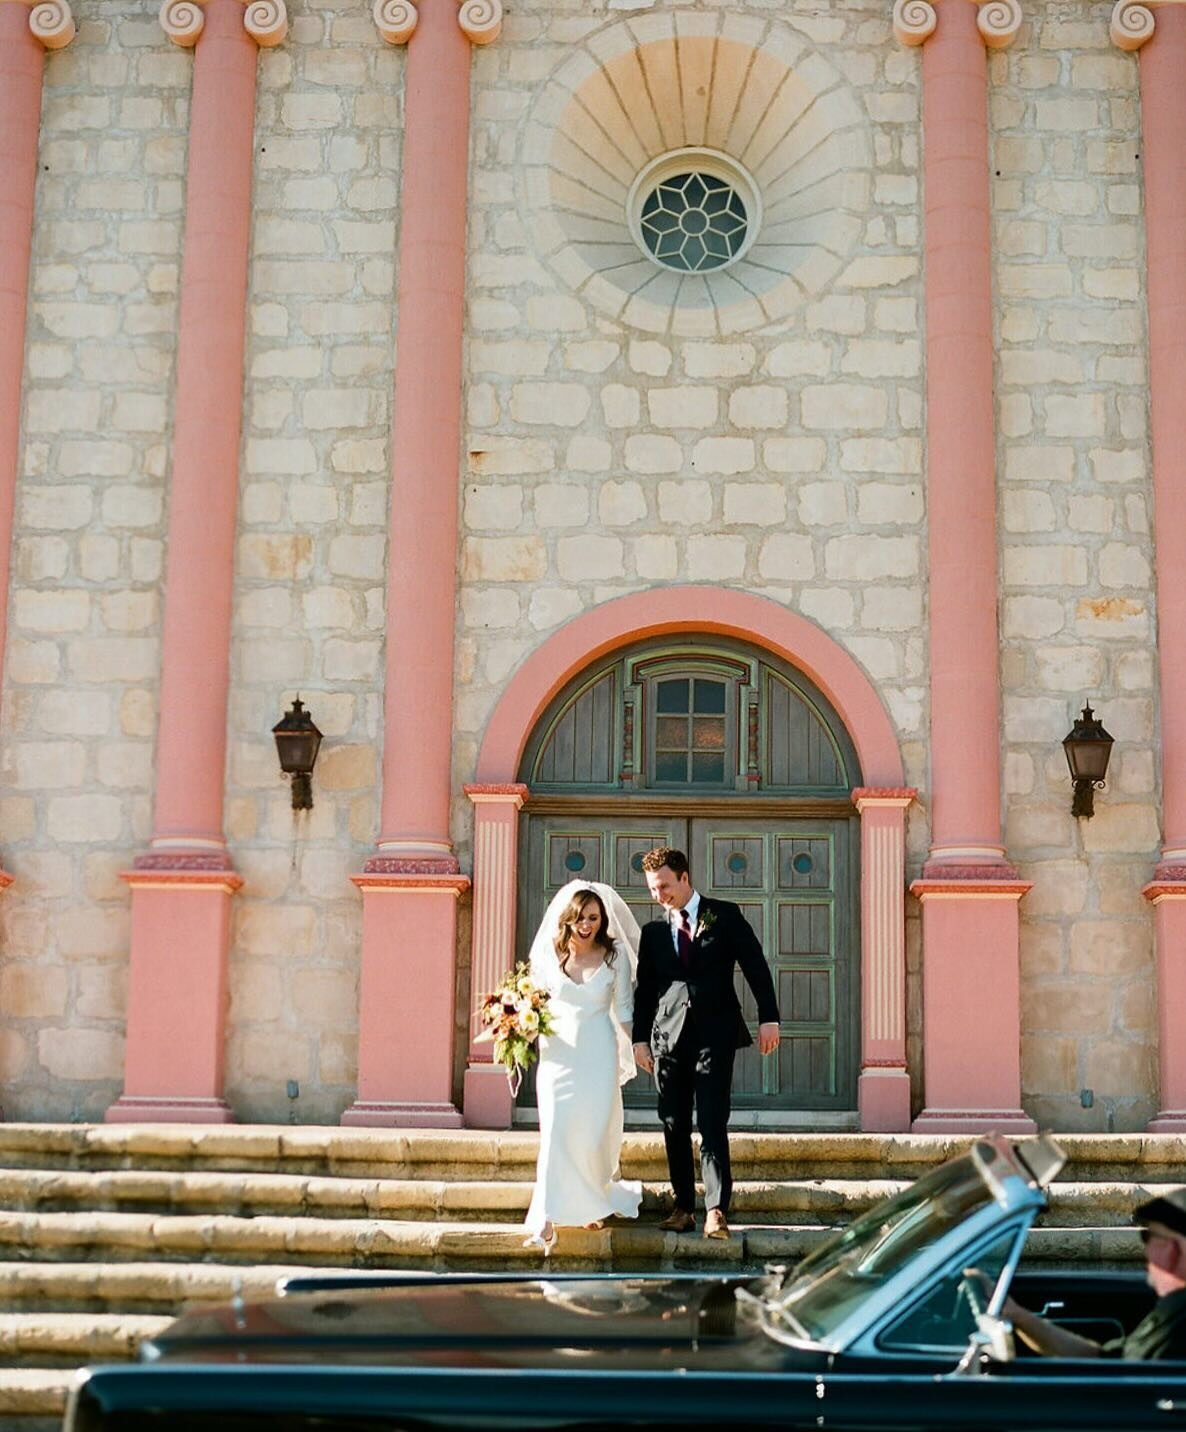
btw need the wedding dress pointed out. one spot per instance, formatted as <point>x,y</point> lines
<point>582,1066</point>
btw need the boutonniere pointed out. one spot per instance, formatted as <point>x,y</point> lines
<point>705,923</point>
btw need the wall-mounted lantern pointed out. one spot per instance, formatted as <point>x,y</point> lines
<point>1088,747</point>
<point>297,743</point>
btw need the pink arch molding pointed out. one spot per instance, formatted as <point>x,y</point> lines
<point>691,609</point>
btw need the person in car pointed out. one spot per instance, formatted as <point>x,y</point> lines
<point>1160,1335</point>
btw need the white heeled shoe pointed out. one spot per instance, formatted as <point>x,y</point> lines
<point>546,1241</point>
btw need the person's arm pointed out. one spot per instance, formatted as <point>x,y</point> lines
<point>1045,1337</point>
<point>646,1000</point>
<point>756,973</point>
<point>623,988</point>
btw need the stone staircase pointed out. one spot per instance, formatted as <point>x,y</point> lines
<point>107,1231</point>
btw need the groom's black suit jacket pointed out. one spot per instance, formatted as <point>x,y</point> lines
<point>668,996</point>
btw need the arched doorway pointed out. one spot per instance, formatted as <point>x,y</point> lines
<point>733,755</point>
<point>690,615</point>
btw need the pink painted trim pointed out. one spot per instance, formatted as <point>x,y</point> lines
<point>405,883</point>
<point>669,610</point>
<point>22,63</point>
<point>182,879</point>
<point>961,459</point>
<point>426,432</point>
<point>892,796</point>
<point>974,1121</point>
<point>445,865</point>
<point>376,1114</point>
<point>960,889</point>
<point>132,1110</point>
<point>506,790</point>
<point>191,751</point>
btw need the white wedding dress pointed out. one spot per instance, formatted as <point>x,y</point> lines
<point>580,1096</point>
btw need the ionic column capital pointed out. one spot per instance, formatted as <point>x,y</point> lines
<point>396,20</point>
<point>998,21</point>
<point>1133,22</point>
<point>266,21</point>
<point>51,23</point>
<point>480,20</point>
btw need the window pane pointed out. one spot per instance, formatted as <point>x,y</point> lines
<point>709,768</point>
<point>708,733</point>
<point>671,733</point>
<point>710,697</point>
<point>671,766</point>
<point>673,695</point>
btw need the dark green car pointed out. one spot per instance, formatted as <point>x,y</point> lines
<point>894,1323</point>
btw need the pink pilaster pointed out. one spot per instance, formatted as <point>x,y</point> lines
<point>969,891</point>
<point>181,887</point>
<point>883,1088</point>
<point>1163,122</point>
<point>22,63</point>
<point>410,886</point>
<point>487,1101</point>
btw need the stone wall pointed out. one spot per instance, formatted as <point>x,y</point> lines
<point>602,455</point>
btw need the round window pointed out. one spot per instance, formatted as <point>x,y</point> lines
<point>694,210</point>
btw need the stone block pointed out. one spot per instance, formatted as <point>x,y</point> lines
<point>656,558</point>
<point>620,405</point>
<point>889,504</point>
<point>799,358</point>
<point>556,404</point>
<point>1048,565</point>
<point>1122,827</point>
<point>494,506</point>
<point>686,407</point>
<point>786,557</point>
<point>621,503</point>
<point>34,991</point>
<point>844,406</point>
<point>654,359</point>
<point>592,357</point>
<point>561,505</point>
<point>715,558</point>
<point>762,504</point>
<point>588,558</point>
<point>723,456</point>
<point>868,557</point>
<point>503,559</point>
<point>653,453</point>
<point>685,504</point>
<point>81,1054</point>
<point>794,454</point>
<point>550,606</point>
<point>758,407</point>
<point>823,504</point>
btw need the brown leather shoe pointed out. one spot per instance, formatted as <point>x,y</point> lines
<point>678,1221</point>
<point>716,1225</point>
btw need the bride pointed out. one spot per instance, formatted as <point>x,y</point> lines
<point>585,954</point>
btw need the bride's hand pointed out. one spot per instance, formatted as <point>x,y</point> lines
<point>642,1057</point>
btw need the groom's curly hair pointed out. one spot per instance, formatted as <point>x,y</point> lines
<point>675,860</point>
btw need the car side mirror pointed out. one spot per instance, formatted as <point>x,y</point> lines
<point>991,1342</point>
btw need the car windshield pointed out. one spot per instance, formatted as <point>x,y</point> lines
<point>832,1282</point>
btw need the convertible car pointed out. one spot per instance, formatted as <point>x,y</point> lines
<point>893,1323</point>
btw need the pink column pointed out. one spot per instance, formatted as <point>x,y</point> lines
<point>411,884</point>
<point>883,1088</point>
<point>24,37</point>
<point>1163,122</point>
<point>487,1100</point>
<point>181,887</point>
<point>968,889</point>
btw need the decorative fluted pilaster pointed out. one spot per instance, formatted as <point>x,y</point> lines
<point>971,995</point>
<point>181,887</point>
<point>25,34</point>
<point>411,883</point>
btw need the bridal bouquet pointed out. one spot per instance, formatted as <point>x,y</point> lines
<point>514,1016</point>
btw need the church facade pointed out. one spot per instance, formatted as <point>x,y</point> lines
<point>753,428</point>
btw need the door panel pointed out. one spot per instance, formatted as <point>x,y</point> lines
<point>795,881</point>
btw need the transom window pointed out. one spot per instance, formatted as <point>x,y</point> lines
<point>690,735</point>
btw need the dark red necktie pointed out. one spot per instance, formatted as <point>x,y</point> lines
<point>683,939</point>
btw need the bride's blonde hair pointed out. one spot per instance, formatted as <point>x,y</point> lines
<point>568,919</point>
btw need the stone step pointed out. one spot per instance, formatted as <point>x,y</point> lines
<point>32,1399</point>
<point>393,1243</point>
<point>69,1339</point>
<point>471,1155</point>
<point>135,1288</point>
<point>253,1195</point>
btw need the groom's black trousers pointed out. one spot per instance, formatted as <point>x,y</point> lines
<point>697,1074</point>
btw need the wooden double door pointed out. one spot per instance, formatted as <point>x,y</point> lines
<point>795,879</point>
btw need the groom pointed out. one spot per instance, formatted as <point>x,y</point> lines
<point>688,1026</point>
